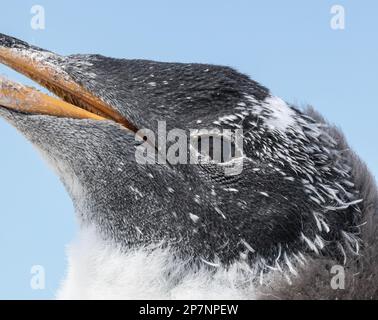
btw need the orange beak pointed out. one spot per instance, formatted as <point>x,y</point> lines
<point>76,101</point>
<point>28,100</point>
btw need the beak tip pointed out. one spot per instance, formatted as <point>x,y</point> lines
<point>10,42</point>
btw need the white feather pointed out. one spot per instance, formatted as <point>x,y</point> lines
<point>100,270</point>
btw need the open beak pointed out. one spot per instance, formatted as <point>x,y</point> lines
<point>37,64</point>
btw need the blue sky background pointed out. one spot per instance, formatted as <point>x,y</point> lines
<point>286,45</point>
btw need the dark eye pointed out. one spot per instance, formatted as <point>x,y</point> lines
<point>214,148</point>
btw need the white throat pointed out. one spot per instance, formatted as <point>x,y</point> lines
<point>99,270</point>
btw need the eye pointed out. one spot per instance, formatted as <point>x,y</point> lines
<point>215,148</point>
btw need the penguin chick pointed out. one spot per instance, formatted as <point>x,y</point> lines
<point>302,203</point>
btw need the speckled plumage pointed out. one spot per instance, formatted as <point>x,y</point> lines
<point>302,195</point>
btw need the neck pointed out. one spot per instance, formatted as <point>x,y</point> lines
<point>98,269</point>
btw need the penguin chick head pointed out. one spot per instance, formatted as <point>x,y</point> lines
<point>294,193</point>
